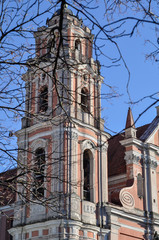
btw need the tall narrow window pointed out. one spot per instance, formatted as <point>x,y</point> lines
<point>86,169</point>
<point>43,106</point>
<point>139,185</point>
<point>50,47</point>
<point>84,100</point>
<point>78,45</point>
<point>78,50</point>
<point>39,168</point>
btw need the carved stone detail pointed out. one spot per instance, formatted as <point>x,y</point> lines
<point>38,143</point>
<point>132,158</point>
<point>72,134</point>
<point>88,212</point>
<point>87,144</point>
<point>150,161</point>
<point>104,148</point>
<point>126,199</point>
<point>89,209</point>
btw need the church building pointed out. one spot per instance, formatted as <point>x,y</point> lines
<point>74,180</point>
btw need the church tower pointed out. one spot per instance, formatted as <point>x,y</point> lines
<point>62,156</point>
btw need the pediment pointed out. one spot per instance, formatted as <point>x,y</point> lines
<point>154,137</point>
<point>151,135</point>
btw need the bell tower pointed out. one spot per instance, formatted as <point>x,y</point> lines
<point>62,156</point>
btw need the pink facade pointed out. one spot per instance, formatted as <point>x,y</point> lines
<point>135,188</point>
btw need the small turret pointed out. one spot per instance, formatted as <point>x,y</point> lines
<point>130,130</point>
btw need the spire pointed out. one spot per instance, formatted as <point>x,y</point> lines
<point>130,120</point>
<point>130,130</point>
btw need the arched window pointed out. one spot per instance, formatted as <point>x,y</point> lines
<point>43,105</point>
<point>84,100</point>
<point>78,45</point>
<point>88,175</point>
<point>39,168</point>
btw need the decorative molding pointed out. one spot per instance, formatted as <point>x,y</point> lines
<point>104,148</point>
<point>39,135</point>
<point>88,212</point>
<point>38,143</point>
<point>72,134</point>
<point>88,144</point>
<point>132,157</point>
<point>88,208</point>
<point>150,162</point>
<point>126,199</point>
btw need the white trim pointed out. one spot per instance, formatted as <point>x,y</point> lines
<point>152,147</point>
<point>39,135</point>
<point>51,223</point>
<point>8,207</point>
<point>47,133</point>
<point>132,214</point>
<point>38,143</point>
<point>132,228</point>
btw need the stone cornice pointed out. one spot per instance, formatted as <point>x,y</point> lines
<point>88,126</point>
<point>129,214</point>
<point>33,128</point>
<point>152,146</point>
<point>56,222</point>
<point>7,208</point>
<point>49,123</point>
<point>131,141</point>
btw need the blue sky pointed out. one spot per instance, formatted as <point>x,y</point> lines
<point>143,81</point>
<point>143,73</point>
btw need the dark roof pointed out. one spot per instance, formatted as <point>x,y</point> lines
<point>141,130</point>
<point>116,152</point>
<point>7,187</point>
